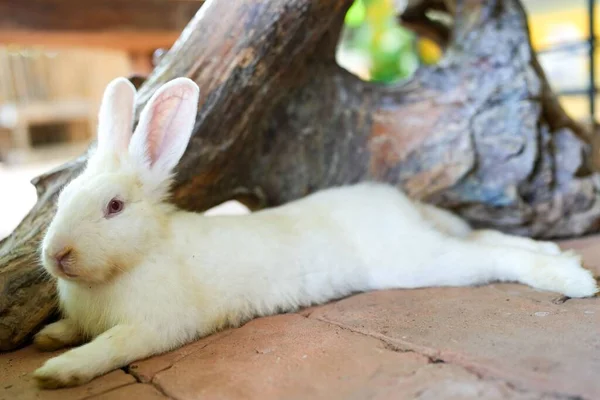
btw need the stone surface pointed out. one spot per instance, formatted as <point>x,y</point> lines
<point>443,381</point>
<point>16,382</point>
<point>495,331</point>
<point>145,370</point>
<point>291,357</point>
<point>289,354</point>
<point>500,341</point>
<point>132,392</point>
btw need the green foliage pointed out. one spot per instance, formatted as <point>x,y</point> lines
<point>373,30</point>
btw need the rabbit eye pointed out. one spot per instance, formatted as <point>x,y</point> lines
<point>115,206</point>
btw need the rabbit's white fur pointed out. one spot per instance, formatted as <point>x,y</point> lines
<point>152,277</point>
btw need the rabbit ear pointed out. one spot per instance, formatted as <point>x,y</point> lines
<point>115,119</point>
<point>165,126</point>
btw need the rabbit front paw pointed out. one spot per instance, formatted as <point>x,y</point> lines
<point>61,371</point>
<point>57,336</point>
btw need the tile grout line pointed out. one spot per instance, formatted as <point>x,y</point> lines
<point>436,357</point>
<point>127,369</point>
<point>107,391</point>
<point>151,383</point>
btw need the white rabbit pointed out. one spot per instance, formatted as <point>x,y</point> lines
<point>138,277</point>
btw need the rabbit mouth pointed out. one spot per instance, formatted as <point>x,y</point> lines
<point>66,270</point>
<point>62,262</point>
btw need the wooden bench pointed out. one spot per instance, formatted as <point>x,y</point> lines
<point>16,121</point>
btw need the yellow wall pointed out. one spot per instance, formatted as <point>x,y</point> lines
<point>543,25</point>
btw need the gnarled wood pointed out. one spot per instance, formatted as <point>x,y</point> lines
<point>479,133</point>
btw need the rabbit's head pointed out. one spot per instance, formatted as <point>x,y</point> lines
<point>114,214</point>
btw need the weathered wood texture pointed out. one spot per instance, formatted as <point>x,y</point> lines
<point>137,25</point>
<point>480,133</point>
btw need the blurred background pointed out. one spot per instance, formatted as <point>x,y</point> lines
<point>49,95</point>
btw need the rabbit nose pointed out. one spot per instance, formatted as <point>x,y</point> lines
<point>62,258</point>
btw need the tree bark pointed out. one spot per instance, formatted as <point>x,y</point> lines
<point>480,133</point>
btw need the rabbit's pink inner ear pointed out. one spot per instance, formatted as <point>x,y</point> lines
<point>163,125</point>
<point>166,124</point>
<point>115,119</point>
